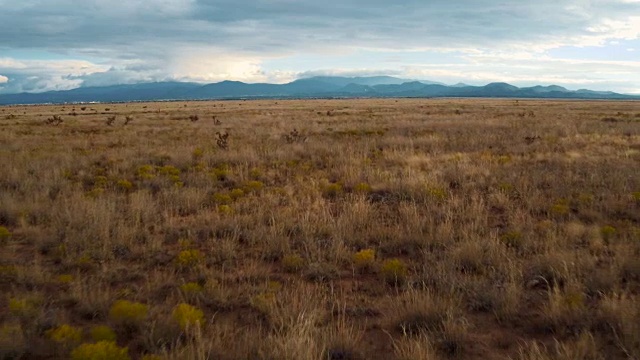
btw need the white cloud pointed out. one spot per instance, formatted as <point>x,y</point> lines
<point>44,75</point>
<point>3,79</point>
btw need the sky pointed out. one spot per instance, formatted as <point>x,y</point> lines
<point>64,44</point>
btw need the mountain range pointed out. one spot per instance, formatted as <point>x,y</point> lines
<point>313,87</point>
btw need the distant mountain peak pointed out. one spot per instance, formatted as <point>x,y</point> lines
<point>501,85</point>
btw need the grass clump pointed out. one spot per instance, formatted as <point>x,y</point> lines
<point>512,239</point>
<point>236,194</point>
<point>128,313</point>
<point>222,199</point>
<point>169,170</point>
<point>292,263</point>
<point>225,209</point>
<point>187,316</point>
<point>221,172</point>
<point>197,154</point>
<point>146,172</point>
<point>102,350</point>
<point>255,174</point>
<point>253,186</point>
<point>124,185</point>
<point>437,194</point>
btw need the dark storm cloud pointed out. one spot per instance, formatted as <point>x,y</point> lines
<point>264,26</point>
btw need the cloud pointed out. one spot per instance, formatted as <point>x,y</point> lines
<point>207,40</point>
<point>3,79</point>
<point>262,25</point>
<point>43,75</point>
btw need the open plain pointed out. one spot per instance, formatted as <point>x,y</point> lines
<point>321,229</point>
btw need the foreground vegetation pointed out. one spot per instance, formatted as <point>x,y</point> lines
<point>344,229</point>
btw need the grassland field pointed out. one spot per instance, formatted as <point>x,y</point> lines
<point>321,229</point>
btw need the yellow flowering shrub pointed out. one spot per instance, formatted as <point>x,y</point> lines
<point>65,334</point>
<point>189,258</point>
<point>102,350</point>
<point>186,315</point>
<point>364,259</point>
<point>102,333</point>
<point>394,271</point>
<point>128,312</point>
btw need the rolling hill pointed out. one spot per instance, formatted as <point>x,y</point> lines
<point>314,87</point>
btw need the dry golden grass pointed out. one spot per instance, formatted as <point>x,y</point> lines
<point>326,229</point>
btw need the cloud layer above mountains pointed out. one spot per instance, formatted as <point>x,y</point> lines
<point>63,44</point>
